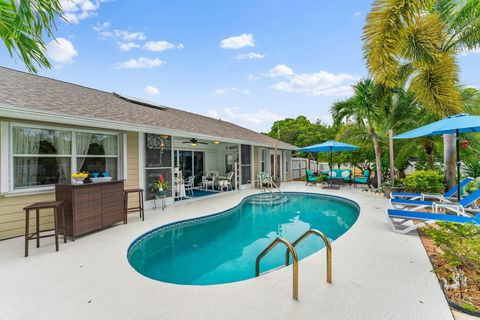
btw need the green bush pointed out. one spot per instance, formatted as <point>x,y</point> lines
<point>321,178</point>
<point>473,168</point>
<point>428,181</point>
<point>460,245</point>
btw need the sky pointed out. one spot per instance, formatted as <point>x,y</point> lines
<point>249,62</point>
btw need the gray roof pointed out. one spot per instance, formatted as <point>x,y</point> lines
<point>25,90</point>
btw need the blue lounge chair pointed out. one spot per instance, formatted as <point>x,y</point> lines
<point>426,217</point>
<point>416,196</point>
<point>311,177</point>
<point>463,207</point>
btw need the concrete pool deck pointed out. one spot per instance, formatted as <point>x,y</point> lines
<point>377,274</point>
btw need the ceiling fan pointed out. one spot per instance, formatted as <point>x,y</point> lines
<point>193,142</point>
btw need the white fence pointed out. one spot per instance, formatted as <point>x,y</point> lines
<point>299,167</point>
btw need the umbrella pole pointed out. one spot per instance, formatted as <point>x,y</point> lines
<point>458,164</point>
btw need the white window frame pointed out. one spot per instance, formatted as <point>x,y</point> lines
<point>72,156</point>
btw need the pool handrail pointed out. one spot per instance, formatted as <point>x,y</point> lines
<point>327,245</point>
<point>290,249</point>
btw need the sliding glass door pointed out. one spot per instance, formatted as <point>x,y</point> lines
<point>191,163</point>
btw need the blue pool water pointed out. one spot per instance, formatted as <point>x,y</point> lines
<point>222,248</point>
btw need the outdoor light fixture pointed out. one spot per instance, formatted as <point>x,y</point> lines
<point>216,142</point>
<point>193,144</point>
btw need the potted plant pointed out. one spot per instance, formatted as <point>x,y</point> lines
<point>160,187</point>
<point>321,179</point>
<point>77,178</point>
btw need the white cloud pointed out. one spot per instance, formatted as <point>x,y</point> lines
<point>280,70</point>
<point>251,76</point>
<point>358,13</point>
<point>466,52</point>
<point>260,120</point>
<point>61,50</point>
<point>140,63</point>
<point>151,90</point>
<point>322,83</point>
<point>250,56</point>
<point>225,91</point>
<point>237,42</point>
<point>123,35</point>
<point>101,26</point>
<point>77,10</point>
<point>159,46</point>
<point>127,46</point>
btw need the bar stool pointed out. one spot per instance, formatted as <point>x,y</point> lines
<point>140,207</point>
<point>37,206</point>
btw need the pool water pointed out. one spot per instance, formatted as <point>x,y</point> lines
<point>222,248</point>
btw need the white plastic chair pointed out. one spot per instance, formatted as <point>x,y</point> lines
<point>229,180</point>
<point>189,184</point>
<point>209,180</point>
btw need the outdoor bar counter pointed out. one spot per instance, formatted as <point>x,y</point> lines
<point>91,206</point>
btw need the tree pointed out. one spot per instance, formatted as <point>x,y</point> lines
<point>22,24</point>
<point>420,39</point>
<point>364,114</point>
<point>301,132</point>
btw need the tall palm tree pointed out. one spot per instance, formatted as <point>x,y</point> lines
<point>364,112</point>
<point>22,26</point>
<point>420,39</point>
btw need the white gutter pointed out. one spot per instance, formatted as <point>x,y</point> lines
<point>23,113</point>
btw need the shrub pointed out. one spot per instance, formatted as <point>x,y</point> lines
<point>321,178</point>
<point>460,245</point>
<point>473,168</point>
<point>428,181</point>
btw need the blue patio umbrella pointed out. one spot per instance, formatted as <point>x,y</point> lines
<point>459,123</point>
<point>329,146</point>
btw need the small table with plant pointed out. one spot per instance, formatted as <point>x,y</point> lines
<point>222,183</point>
<point>160,188</point>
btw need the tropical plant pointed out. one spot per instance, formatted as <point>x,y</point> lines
<point>22,26</point>
<point>363,115</point>
<point>459,244</point>
<point>421,181</point>
<point>473,168</point>
<point>415,43</point>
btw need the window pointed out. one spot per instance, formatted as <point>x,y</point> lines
<point>263,160</point>
<point>97,153</point>
<point>246,162</point>
<point>45,156</point>
<point>158,161</point>
<point>41,157</point>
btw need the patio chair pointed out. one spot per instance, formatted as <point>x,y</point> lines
<point>363,180</point>
<point>422,196</point>
<point>264,180</point>
<point>463,207</point>
<point>426,217</point>
<point>229,180</point>
<point>190,185</point>
<point>310,177</point>
<point>209,179</point>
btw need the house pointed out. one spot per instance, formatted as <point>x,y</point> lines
<point>50,129</point>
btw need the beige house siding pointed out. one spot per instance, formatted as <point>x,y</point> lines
<point>12,216</point>
<point>133,166</point>
<point>257,158</point>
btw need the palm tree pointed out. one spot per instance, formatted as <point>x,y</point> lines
<point>419,40</point>
<point>364,113</point>
<point>22,24</point>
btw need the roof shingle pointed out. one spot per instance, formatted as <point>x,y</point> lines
<point>35,92</point>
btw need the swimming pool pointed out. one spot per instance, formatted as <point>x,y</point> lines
<point>222,247</point>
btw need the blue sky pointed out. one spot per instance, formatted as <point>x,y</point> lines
<point>249,62</point>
